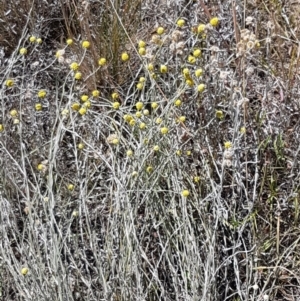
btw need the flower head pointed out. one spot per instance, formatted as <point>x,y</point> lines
<point>125,56</point>
<point>185,193</point>
<point>42,94</point>
<point>80,146</point>
<point>1,128</point>
<point>23,51</point>
<point>164,130</point>
<point>149,169</point>
<point>197,53</point>
<point>115,95</point>
<point>139,105</point>
<point>39,40</point>
<point>84,98</point>
<point>150,67</point>
<point>227,144</point>
<point>74,66</point>
<point>69,41</point>
<point>75,106</point>
<point>13,113</point>
<point>177,103</point>
<point>142,44</point>
<point>198,72</point>
<point>78,75</point>
<point>142,51</point>
<point>102,61</point>
<point>82,111</point>
<point>95,93</point>
<point>191,59</point>
<point>154,105</point>
<point>180,23</point>
<point>214,21</point>
<point>86,44</point>
<point>201,28</point>
<point>219,114</point>
<point>32,39</point>
<point>140,86</point>
<point>156,148</point>
<point>24,271</point>
<point>116,105</point>
<point>38,107</point>
<point>160,30</point>
<point>9,83</point>
<point>201,88</point>
<point>163,69</point>
<point>71,187</point>
<point>129,153</point>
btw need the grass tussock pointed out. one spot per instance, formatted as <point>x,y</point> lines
<point>149,150</point>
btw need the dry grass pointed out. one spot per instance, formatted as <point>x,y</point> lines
<point>89,204</point>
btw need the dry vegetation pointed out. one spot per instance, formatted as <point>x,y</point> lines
<point>170,175</point>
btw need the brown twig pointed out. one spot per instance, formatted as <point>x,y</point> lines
<point>205,9</point>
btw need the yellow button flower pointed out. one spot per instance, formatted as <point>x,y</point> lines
<point>125,56</point>
<point>24,271</point>
<point>139,105</point>
<point>142,51</point>
<point>74,66</point>
<point>38,107</point>
<point>198,72</point>
<point>42,94</point>
<point>116,105</point>
<point>80,146</point>
<point>214,21</point>
<point>163,69</point>
<point>201,88</point>
<point>154,105</point>
<point>197,53</point>
<point>95,93</point>
<point>84,98</point>
<point>227,144</point>
<point>180,23</point>
<point>219,114</point>
<point>142,44</point>
<point>23,51</point>
<point>102,61</point>
<point>185,193</point>
<point>86,44</point>
<point>32,39</point>
<point>78,75</point>
<point>69,41</point>
<point>9,83</point>
<point>82,111</point>
<point>13,113</point>
<point>75,106</point>
<point>177,103</point>
<point>164,130</point>
<point>201,28</point>
<point>160,30</point>
<point>115,95</point>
